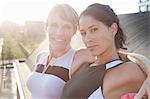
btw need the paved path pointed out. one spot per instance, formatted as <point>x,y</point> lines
<point>8,88</point>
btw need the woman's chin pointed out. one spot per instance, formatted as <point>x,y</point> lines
<point>60,47</point>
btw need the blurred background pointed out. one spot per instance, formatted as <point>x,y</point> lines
<point>22,36</point>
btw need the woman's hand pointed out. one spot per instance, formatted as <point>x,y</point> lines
<point>85,56</point>
<point>144,92</point>
<point>81,59</point>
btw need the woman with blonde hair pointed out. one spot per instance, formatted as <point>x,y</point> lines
<point>52,70</point>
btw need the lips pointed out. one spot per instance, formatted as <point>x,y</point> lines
<point>58,40</point>
<point>91,47</point>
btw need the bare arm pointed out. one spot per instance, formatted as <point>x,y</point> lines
<point>139,59</point>
<point>83,56</point>
<point>144,64</point>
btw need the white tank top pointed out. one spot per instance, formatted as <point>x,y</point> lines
<point>98,93</point>
<point>48,86</point>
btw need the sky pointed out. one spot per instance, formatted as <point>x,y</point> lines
<point>19,11</point>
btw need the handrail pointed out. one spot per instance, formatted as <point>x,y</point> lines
<point>22,71</point>
<point>18,81</point>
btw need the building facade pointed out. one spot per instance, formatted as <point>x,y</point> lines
<point>144,5</point>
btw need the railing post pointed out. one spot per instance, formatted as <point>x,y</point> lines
<point>20,93</point>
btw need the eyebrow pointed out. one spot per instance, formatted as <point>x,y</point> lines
<point>89,27</point>
<point>66,25</point>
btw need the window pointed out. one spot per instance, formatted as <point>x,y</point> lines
<point>143,0</point>
<point>148,7</point>
<point>143,8</point>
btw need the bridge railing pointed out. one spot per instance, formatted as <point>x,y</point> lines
<point>21,73</point>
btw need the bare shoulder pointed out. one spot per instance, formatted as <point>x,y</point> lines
<point>39,55</point>
<point>132,72</point>
<point>127,70</point>
<point>127,77</point>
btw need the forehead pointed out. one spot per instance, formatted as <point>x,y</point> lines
<point>58,19</point>
<point>87,21</point>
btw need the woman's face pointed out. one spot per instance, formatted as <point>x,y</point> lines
<point>60,32</point>
<point>98,37</point>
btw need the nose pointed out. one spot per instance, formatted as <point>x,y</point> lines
<point>60,32</point>
<point>88,37</point>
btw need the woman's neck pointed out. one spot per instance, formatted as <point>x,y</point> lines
<point>59,52</point>
<point>108,55</point>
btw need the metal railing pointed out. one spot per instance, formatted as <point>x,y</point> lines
<point>20,93</point>
<point>21,72</point>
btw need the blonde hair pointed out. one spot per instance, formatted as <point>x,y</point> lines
<point>66,12</point>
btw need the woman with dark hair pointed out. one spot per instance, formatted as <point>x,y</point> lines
<point>108,76</point>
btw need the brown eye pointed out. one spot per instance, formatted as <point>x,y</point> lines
<point>67,27</point>
<point>94,29</point>
<point>52,25</point>
<point>83,33</point>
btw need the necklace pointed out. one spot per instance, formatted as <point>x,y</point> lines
<point>49,57</point>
